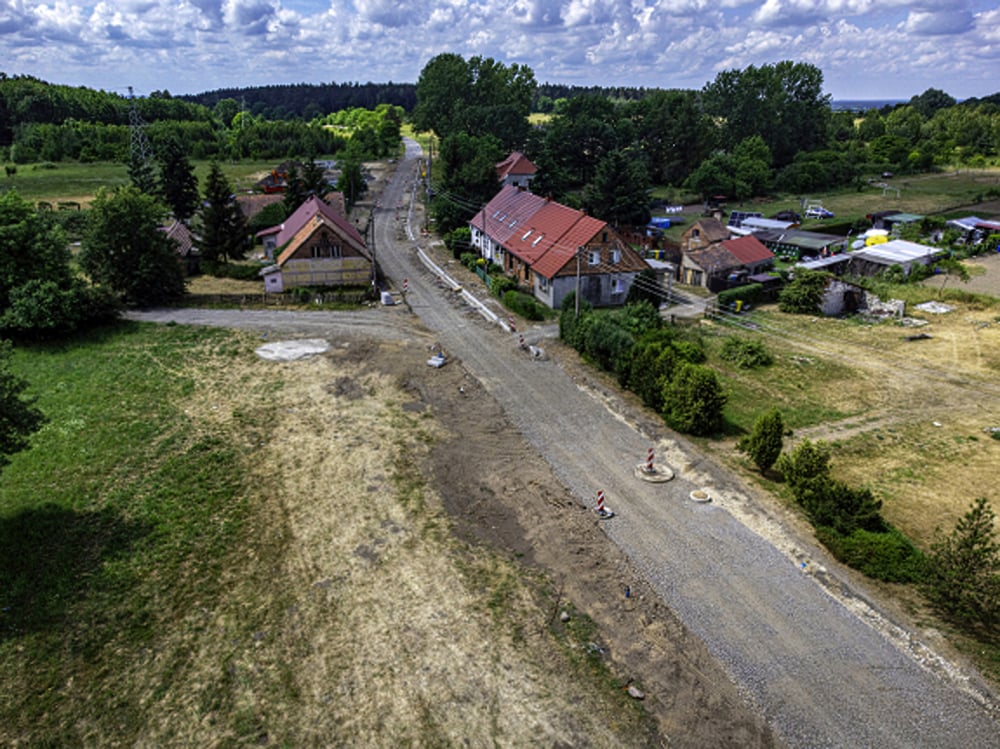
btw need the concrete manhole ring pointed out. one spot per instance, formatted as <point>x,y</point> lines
<point>701,495</point>
<point>659,474</point>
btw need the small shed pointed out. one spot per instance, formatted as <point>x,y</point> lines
<point>877,258</point>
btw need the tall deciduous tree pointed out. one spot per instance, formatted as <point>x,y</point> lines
<point>19,417</point>
<point>478,97</point>
<point>125,249</point>
<point>39,293</point>
<point>672,133</point>
<point>584,130</point>
<point>784,103</point>
<point>222,228</point>
<point>351,181</point>
<point>443,88</point>
<point>467,178</point>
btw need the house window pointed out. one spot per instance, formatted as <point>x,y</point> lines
<point>595,257</point>
<point>616,256</point>
<point>326,248</point>
<point>617,287</point>
<point>604,237</point>
<point>543,283</point>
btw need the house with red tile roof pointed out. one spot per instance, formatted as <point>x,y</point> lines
<point>500,219</point>
<point>516,170</point>
<point>317,247</point>
<point>751,252</point>
<point>553,249</point>
<point>727,263</point>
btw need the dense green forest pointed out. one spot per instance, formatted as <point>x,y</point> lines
<point>310,100</point>
<point>40,121</point>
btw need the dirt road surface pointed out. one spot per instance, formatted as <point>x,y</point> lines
<point>791,635</point>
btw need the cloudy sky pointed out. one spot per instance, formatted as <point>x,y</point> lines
<point>867,49</point>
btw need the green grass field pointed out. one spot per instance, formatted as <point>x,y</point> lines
<point>70,181</point>
<point>118,520</point>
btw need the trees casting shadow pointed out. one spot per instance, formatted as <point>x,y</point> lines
<point>50,560</point>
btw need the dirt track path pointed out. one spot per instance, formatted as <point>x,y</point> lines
<point>824,667</point>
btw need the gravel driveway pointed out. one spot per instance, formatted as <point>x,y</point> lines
<point>823,666</point>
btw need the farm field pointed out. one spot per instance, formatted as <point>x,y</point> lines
<point>77,182</point>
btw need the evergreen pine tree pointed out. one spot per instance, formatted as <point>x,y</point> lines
<point>222,229</point>
<point>177,183</point>
<point>963,577</point>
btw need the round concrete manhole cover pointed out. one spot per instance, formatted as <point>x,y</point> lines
<point>701,495</point>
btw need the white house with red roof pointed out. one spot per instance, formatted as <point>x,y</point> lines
<point>316,246</point>
<point>516,170</point>
<point>553,248</point>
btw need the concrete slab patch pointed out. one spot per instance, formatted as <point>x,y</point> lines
<point>292,350</point>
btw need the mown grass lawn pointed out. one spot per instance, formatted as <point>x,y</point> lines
<point>120,516</point>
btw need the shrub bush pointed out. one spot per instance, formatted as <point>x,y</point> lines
<point>569,325</point>
<point>693,400</point>
<point>523,304</point>
<point>751,293</point>
<point>744,353</point>
<point>458,241</point>
<point>607,345</point>
<point>888,555</point>
<point>501,285</point>
<point>763,444</point>
<point>239,271</point>
<point>805,292</point>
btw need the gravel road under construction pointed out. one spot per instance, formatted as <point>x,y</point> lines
<point>810,651</point>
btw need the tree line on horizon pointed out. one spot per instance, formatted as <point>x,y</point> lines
<point>747,133</point>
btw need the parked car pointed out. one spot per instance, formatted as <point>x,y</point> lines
<point>787,216</point>
<point>818,211</point>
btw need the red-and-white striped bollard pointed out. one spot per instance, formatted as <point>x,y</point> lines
<point>649,460</point>
<point>600,501</point>
<point>511,321</point>
<point>520,337</point>
<point>406,285</point>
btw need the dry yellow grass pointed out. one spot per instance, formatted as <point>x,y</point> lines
<point>920,407</point>
<point>356,619</point>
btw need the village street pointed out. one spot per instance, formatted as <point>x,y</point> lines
<point>821,675</point>
<point>823,665</point>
